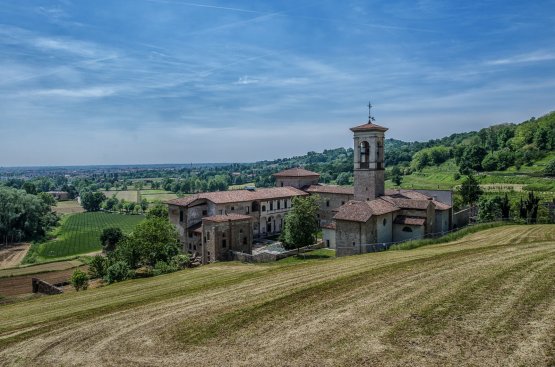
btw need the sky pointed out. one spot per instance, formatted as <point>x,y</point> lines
<point>171,81</point>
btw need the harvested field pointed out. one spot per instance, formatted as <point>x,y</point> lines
<point>486,299</point>
<point>68,207</point>
<point>41,268</point>
<point>11,255</point>
<point>127,195</point>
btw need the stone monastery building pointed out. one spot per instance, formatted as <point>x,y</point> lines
<point>353,219</point>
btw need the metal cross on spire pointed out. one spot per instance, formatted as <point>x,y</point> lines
<point>370,117</point>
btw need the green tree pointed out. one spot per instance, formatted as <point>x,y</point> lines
<point>117,272</point>
<point>79,280</point>
<point>158,210</point>
<point>470,190</point>
<point>144,205</point>
<point>396,176</point>
<point>301,223</point>
<point>549,170</point>
<point>98,266</point>
<point>110,237</point>
<point>91,201</point>
<point>47,198</point>
<point>489,208</point>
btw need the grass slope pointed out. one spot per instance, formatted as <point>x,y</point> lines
<point>80,233</point>
<point>485,299</point>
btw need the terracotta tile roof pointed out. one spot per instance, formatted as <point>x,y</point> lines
<point>411,221</point>
<point>237,196</point>
<point>407,203</point>
<point>226,218</point>
<point>330,189</point>
<point>361,211</point>
<point>369,127</point>
<point>415,195</point>
<point>441,205</point>
<point>329,225</point>
<point>296,172</point>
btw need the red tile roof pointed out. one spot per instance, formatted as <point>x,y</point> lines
<point>440,205</point>
<point>329,225</point>
<point>330,189</point>
<point>237,196</point>
<point>407,203</point>
<point>411,221</point>
<point>361,211</point>
<point>415,195</point>
<point>296,172</point>
<point>369,127</point>
<point>227,217</point>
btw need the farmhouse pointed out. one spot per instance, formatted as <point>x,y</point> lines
<point>353,219</point>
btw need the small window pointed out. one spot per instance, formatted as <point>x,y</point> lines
<point>342,203</point>
<point>195,247</point>
<point>271,205</point>
<point>190,234</point>
<point>248,209</point>
<point>204,212</point>
<point>244,240</point>
<point>327,243</point>
<point>285,204</point>
<point>232,208</point>
<point>279,204</point>
<point>207,235</point>
<point>327,203</point>
<point>353,244</point>
<point>223,235</point>
<point>240,231</point>
<point>384,221</point>
<point>190,246</point>
<point>221,211</point>
<point>407,229</point>
<point>181,215</point>
<point>224,243</point>
<point>263,208</point>
<point>281,183</point>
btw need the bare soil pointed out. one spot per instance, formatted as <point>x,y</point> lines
<point>11,255</point>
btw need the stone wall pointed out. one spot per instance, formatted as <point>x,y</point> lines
<point>329,202</point>
<point>221,237</point>
<point>369,184</point>
<point>296,182</point>
<point>264,257</point>
<point>40,286</point>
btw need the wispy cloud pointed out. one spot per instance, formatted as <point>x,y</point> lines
<point>537,56</point>
<point>93,92</point>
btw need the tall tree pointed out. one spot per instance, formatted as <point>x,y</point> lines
<point>470,190</point>
<point>301,223</point>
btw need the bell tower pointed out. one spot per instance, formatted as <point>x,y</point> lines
<point>369,159</point>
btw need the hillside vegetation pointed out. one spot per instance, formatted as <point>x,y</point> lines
<point>485,299</point>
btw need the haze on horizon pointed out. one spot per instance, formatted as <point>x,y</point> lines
<point>162,81</point>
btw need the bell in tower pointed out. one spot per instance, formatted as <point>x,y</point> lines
<point>369,174</point>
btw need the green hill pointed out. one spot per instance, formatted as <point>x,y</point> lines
<point>486,299</point>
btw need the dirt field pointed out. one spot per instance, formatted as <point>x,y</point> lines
<point>485,300</point>
<point>128,195</point>
<point>15,286</point>
<point>12,255</point>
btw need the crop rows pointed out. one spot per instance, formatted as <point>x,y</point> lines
<point>80,233</point>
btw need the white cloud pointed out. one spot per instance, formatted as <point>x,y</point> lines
<point>94,92</point>
<point>523,58</point>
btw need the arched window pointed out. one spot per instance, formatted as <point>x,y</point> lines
<point>407,229</point>
<point>384,221</point>
<point>364,154</point>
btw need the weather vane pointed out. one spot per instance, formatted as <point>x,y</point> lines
<point>370,117</point>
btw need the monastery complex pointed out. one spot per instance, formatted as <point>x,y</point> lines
<point>353,219</point>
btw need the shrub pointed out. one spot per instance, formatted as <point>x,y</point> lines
<point>117,272</point>
<point>163,267</point>
<point>98,267</point>
<point>79,280</point>
<point>550,168</point>
<point>110,237</point>
<point>181,261</point>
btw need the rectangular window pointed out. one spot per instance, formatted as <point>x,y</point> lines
<point>190,234</point>
<point>279,204</point>
<point>327,203</point>
<point>204,213</point>
<point>221,212</point>
<point>232,208</point>
<point>181,216</point>
<point>271,205</point>
<point>248,209</point>
<point>285,203</point>
<point>224,244</point>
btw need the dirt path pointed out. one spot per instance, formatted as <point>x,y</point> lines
<point>11,256</point>
<point>487,299</point>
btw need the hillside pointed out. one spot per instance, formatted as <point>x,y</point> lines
<point>487,299</point>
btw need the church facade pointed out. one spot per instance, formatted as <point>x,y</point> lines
<point>353,219</point>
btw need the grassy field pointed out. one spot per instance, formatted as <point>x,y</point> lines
<point>79,234</point>
<point>127,195</point>
<point>485,299</point>
<point>157,195</point>
<point>68,207</point>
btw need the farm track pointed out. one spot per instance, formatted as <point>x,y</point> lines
<point>11,256</point>
<point>485,299</point>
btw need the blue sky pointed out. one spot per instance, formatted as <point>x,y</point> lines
<point>172,81</point>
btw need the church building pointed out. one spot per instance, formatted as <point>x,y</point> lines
<point>353,219</point>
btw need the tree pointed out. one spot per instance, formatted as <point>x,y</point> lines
<point>396,176</point>
<point>550,168</point>
<point>98,267</point>
<point>489,208</point>
<point>158,210</point>
<point>79,280</point>
<point>110,237</point>
<point>301,223</point>
<point>470,190</point>
<point>531,205</point>
<point>472,158</point>
<point>144,205</point>
<point>505,207</point>
<point>117,272</point>
<point>29,187</point>
<point>343,178</point>
<point>91,201</point>
<point>47,198</point>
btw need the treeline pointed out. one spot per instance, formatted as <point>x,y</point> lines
<point>24,216</point>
